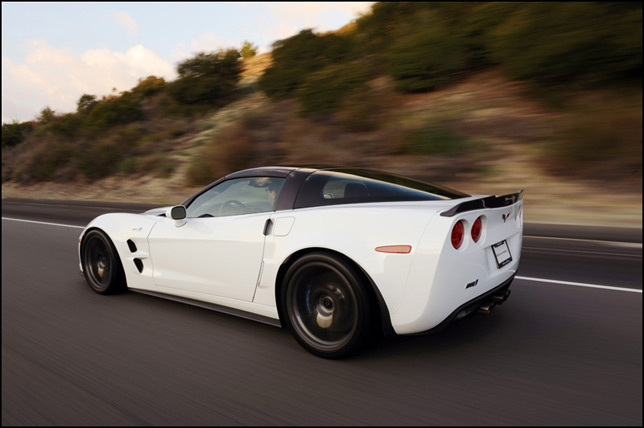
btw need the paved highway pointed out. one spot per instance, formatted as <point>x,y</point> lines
<point>566,349</point>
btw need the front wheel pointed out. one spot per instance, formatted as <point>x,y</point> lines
<point>101,264</point>
<point>325,305</point>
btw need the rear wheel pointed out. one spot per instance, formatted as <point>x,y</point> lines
<point>325,305</point>
<point>101,264</point>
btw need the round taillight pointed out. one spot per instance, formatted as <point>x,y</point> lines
<point>457,234</point>
<point>476,230</point>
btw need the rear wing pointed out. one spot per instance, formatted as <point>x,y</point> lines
<point>484,202</point>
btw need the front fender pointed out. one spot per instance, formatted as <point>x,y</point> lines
<point>121,228</point>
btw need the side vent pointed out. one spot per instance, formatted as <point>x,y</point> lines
<point>131,246</point>
<point>139,265</point>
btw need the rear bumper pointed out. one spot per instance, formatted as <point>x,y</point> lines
<point>482,304</point>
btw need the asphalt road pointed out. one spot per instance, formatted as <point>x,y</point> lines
<point>554,354</point>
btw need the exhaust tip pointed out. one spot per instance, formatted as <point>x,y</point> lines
<point>501,297</point>
<point>486,308</point>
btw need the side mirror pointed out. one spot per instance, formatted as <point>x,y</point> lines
<point>178,214</point>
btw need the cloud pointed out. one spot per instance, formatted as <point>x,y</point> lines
<point>210,42</point>
<point>310,14</point>
<point>58,77</point>
<point>127,22</point>
<point>206,42</point>
<point>296,16</point>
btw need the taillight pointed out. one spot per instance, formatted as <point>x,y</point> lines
<point>476,230</point>
<point>457,234</point>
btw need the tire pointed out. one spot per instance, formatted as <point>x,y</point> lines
<point>325,305</point>
<point>102,266</point>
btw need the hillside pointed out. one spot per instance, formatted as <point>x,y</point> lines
<point>452,103</point>
<point>486,107</point>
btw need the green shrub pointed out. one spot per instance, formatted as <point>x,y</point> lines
<point>596,137</point>
<point>114,111</point>
<point>206,80</point>
<point>298,56</point>
<point>248,50</point>
<point>99,160</point>
<point>66,126</point>
<point>127,138</point>
<point>165,168</point>
<point>426,59</point>
<point>324,90</point>
<point>233,148</point>
<point>149,86</point>
<point>359,111</point>
<point>204,91</point>
<point>159,164</point>
<point>293,59</point>
<point>435,137</point>
<point>280,82</point>
<point>222,64</point>
<point>578,43</point>
<point>129,166</point>
<point>377,29</point>
<point>477,28</point>
<point>48,159</point>
<point>15,132</point>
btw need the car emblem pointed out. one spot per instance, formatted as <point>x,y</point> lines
<point>505,217</point>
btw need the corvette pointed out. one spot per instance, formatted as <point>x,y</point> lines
<point>336,255</point>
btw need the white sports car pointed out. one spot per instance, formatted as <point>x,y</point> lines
<point>333,254</point>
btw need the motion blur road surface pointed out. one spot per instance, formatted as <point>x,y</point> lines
<point>556,353</point>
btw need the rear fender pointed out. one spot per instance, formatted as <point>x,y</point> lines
<point>443,277</point>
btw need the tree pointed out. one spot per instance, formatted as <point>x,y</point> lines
<point>207,79</point>
<point>217,64</point>
<point>149,86</point>
<point>298,56</point>
<point>47,115</point>
<point>426,59</point>
<point>86,103</point>
<point>248,50</point>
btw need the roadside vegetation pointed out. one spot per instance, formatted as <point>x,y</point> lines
<point>393,84</point>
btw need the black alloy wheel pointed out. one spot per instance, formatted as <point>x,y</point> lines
<point>101,264</point>
<point>325,305</point>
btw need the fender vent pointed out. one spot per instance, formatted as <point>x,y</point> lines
<point>139,265</point>
<point>131,246</point>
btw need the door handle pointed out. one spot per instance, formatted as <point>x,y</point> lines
<point>267,226</point>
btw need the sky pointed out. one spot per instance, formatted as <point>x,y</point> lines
<point>54,52</point>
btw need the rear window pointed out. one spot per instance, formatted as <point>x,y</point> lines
<point>344,187</point>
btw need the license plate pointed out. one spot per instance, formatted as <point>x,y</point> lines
<point>502,253</point>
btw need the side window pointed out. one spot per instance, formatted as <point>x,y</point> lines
<point>237,196</point>
<point>334,188</point>
<point>343,188</point>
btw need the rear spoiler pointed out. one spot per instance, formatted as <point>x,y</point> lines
<point>485,202</point>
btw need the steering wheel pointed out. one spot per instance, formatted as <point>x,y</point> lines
<point>234,204</point>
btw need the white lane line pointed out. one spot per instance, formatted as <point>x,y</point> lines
<point>580,284</point>
<point>568,251</point>
<point>44,222</point>
<point>595,241</point>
